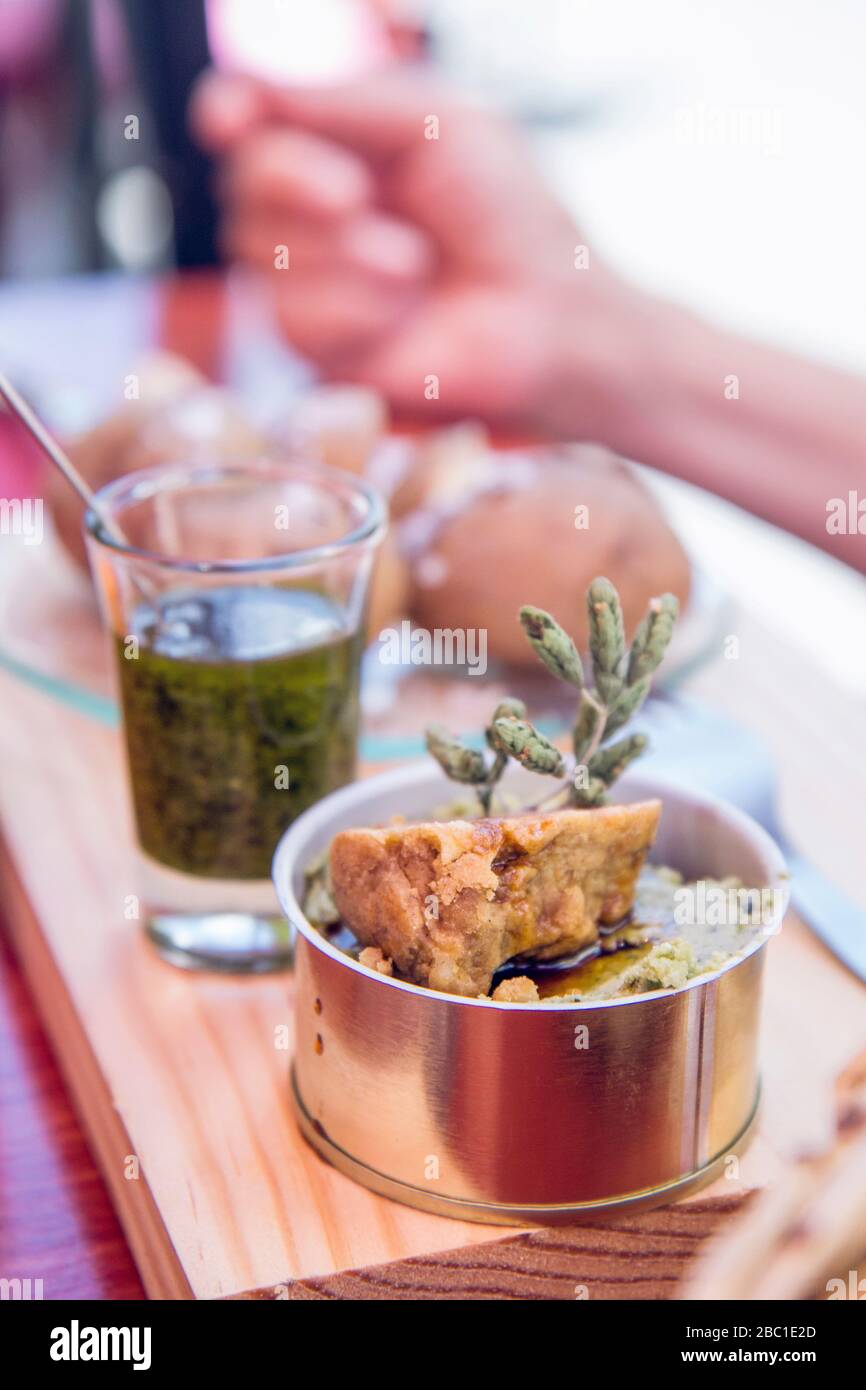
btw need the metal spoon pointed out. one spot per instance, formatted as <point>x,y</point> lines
<point>50,447</point>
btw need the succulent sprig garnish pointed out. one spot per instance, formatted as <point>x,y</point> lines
<point>621,677</point>
<point>463,763</point>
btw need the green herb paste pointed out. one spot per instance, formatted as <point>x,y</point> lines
<point>229,695</point>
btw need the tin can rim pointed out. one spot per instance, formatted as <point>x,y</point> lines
<point>294,843</point>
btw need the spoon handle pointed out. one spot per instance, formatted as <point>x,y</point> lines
<point>49,446</point>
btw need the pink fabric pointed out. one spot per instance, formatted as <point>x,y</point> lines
<point>29,28</point>
<point>27,32</point>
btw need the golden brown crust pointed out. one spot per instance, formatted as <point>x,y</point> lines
<point>518,990</point>
<point>449,902</point>
<point>373,958</point>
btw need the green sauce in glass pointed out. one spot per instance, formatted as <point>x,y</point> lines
<point>233,692</point>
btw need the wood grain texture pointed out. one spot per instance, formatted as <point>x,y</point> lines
<point>639,1256</point>
<point>58,1224</point>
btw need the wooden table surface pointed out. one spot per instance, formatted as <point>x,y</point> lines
<point>56,1216</point>
<point>57,1222</point>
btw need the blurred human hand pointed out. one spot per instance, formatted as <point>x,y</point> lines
<point>427,258</point>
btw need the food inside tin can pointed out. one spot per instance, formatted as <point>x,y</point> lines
<point>550,902</point>
<point>666,939</point>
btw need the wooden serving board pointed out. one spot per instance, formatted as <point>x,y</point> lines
<point>183,1092</point>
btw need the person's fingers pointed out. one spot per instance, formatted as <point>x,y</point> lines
<point>378,116</point>
<point>223,108</point>
<point>481,344</point>
<point>480,198</point>
<point>471,185</point>
<point>334,316</point>
<point>384,246</point>
<point>295,170</point>
<point>256,238</point>
<point>370,242</point>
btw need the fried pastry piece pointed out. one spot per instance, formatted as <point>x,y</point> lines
<point>372,957</point>
<point>449,902</point>
<point>518,990</point>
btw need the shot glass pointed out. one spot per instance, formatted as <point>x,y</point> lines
<point>236,613</point>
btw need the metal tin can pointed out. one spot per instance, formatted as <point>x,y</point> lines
<point>526,1113</point>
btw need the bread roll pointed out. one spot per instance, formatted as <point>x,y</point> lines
<point>560,519</point>
<point>390,588</point>
<point>340,425</point>
<point>176,417</point>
